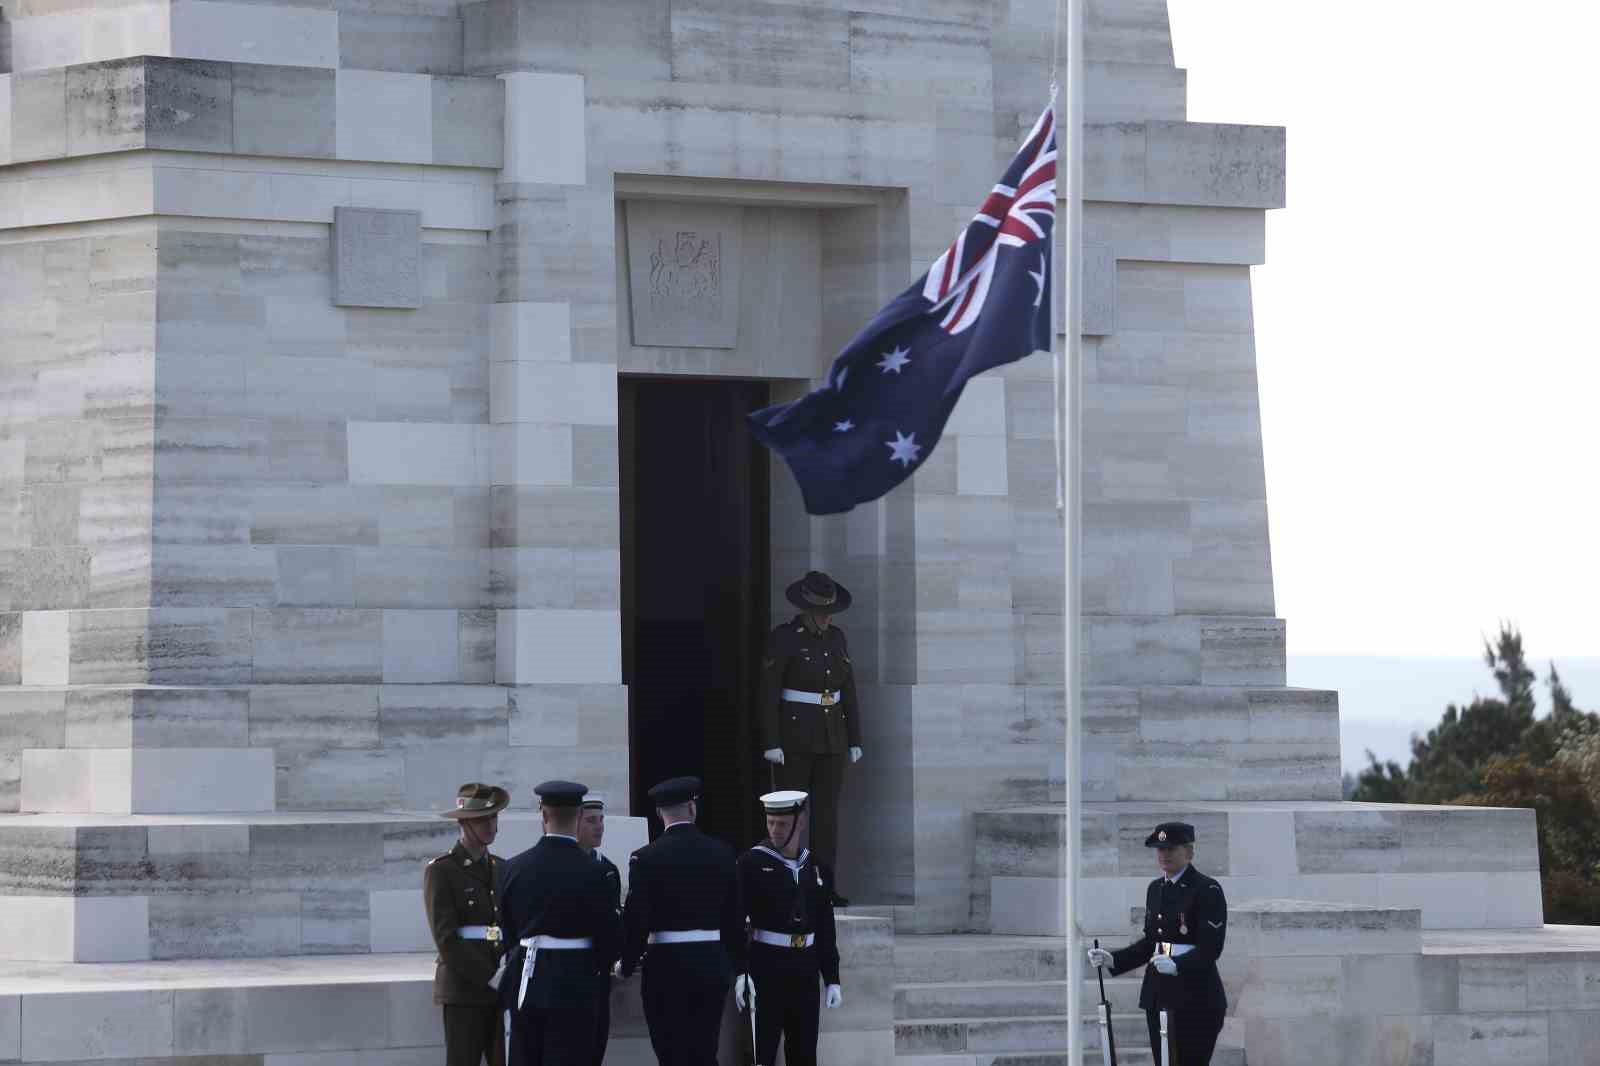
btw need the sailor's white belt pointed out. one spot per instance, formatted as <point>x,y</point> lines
<point>685,936</point>
<point>536,944</point>
<point>783,940</point>
<point>1165,948</point>
<point>490,933</point>
<point>825,698</point>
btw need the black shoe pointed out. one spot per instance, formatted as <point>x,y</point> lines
<point>838,902</point>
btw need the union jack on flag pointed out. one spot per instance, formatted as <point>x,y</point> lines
<point>983,303</point>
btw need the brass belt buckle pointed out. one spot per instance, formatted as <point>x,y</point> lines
<point>493,935</point>
<point>797,940</point>
<point>829,698</point>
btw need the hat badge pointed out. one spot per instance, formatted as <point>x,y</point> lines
<point>1161,835</point>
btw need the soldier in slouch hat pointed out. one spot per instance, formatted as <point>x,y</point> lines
<point>810,715</point>
<point>458,896</point>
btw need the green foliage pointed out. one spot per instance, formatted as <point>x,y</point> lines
<point>1495,752</point>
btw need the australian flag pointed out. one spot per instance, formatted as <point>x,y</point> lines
<point>984,302</point>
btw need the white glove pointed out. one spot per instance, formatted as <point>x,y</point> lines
<point>774,755</point>
<point>855,754</point>
<point>1099,957</point>
<point>1166,965</point>
<point>616,969</point>
<point>835,997</point>
<point>744,988</point>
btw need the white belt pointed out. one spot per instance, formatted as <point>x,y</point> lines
<point>480,932</point>
<point>783,940</point>
<point>534,944</point>
<point>822,699</point>
<point>685,936</point>
<point>1174,950</point>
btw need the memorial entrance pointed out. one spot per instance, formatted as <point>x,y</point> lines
<point>694,579</point>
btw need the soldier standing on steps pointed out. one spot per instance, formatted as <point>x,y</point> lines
<point>810,716</point>
<point>1185,923</point>
<point>591,832</point>
<point>792,959</point>
<point>458,895</point>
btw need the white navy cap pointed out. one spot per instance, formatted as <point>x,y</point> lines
<point>786,802</point>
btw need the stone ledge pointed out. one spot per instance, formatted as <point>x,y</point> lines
<point>153,102</point>
<point>218,886</point>
<point>371,1010</point>
<point>1198,164</point>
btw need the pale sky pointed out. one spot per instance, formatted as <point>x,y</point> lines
<point>1427,354</point>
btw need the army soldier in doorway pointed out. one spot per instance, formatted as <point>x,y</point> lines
<point>591,832</point>
<point>458,895</point>
<point>1185,923</point>
<point>810,717</point>
<point>682,918</point>
<point>793,950</point>
<point>558,907</point>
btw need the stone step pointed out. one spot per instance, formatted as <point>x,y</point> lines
<point>1012,1034</point>
<point>1213,742</point>
<point>1224,1055</point>
<point>104,888</point>
<point>1464,867</point>
<point>1020,998</point>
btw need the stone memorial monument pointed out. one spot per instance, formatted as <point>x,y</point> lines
<point>322,335</point>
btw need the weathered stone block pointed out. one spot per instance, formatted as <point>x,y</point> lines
<point>283,111</point>
<point>468,122</point>
<point>318,644</point>
<point>400,42</point>
<point>377,257</point>
<point>38,115</point>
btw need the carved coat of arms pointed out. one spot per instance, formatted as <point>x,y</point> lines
<point>686,275</point>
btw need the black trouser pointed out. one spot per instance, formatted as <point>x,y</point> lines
<point>602,1030</point>
<point>822,776</point>
<point>1194,1031</point>
<point>683,1008</point>
<point>552,1036</point>
<point>472,1034</point>
<point>788,1003</point>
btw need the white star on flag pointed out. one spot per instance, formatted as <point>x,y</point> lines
<point>844,427</point>
<point>895,360</point>
<point>904,449</point>
<point>1038,279</point>
<point>838,382</point>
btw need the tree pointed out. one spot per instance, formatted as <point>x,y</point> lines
<point>1569,847</point>
<point>1380,782</point>
<point>1449,761</point>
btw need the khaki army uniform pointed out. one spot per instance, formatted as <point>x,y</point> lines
<point>803,665</point>
<point>459,895</point>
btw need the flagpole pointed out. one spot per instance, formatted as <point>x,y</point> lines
<point>1071,173</point>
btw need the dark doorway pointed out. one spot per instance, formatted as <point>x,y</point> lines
<point>694,592</point>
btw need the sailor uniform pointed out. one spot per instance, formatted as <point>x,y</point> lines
<point>682,924</point>
<point>810,710</point>
<point>556,899</point>
<point>603,1000</point>
<point>1185,918</point>
<point>793,949</point>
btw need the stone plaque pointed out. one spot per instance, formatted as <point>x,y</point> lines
<point>377,257</point>
<point>683,274</point>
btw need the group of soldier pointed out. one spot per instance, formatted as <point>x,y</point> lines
<point>528,947</point>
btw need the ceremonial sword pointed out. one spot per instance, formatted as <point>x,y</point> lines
<point>1108,1042</point>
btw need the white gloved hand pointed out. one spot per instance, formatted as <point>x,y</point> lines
<point>835,997</point>
<point>1166,965</point>
<point>1099,957</point>
<point>773,755</point>
<point>616,969</point>
<point>855,754</point>
<point>743,989</point>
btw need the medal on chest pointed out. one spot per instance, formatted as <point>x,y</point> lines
<point>1183,928</point>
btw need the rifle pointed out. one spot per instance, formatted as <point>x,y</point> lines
<point>1108,1040</point>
